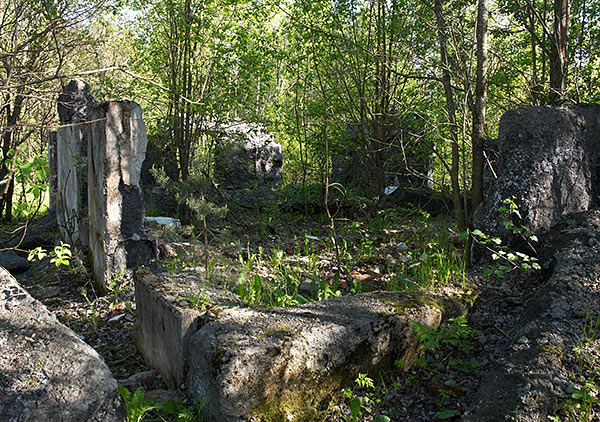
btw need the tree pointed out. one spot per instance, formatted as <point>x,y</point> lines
<point>559,52</point>
<point>36,38</point>
<point>480,104</point>
<point>459,212</point>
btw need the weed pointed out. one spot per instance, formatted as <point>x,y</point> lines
<point>505,259</point>
<point>139,408</point>
<point>198,300</point>
<point>359,404</point>
<point>326,291</point>
<point>118,287</point>
<point>447,345</point>
<point>584,403</point>
<point>61,254</point>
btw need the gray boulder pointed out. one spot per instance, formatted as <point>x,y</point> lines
<point>46,372</point>
<point>549,159</point>
<point>279,364</point>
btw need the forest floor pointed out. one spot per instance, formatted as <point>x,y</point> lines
<point>285,260</point>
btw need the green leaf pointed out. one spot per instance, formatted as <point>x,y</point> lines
<point>447,414</point>
<point>355,407</point>
<point>381,418</point>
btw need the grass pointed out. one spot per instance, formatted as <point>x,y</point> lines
<point>285,262</point>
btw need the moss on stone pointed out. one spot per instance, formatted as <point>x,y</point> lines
<point>280,330</point>
<point>308,405</point>
<point>402,306</point>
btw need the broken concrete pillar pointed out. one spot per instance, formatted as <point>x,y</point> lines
<point>116,151</point>
<point>53,176</point>
<point>74,105</point>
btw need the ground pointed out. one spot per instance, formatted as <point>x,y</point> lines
<point>287,259</point>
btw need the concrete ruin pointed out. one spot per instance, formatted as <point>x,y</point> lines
<point>100,150</point>
<point>247,157</point>
<point>74,105</point>
<point>252,361</point>
<point>116,152</point>
<point>548,162</point>
<point>47,372</point>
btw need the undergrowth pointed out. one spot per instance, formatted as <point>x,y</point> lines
<point>282,262</point>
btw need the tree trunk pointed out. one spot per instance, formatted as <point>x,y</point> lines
<point>9,141</point>
<point>459,213</point>
<point>558,52</point>
<point>480,104</point>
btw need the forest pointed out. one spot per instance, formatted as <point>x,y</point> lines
<point>387,116</point>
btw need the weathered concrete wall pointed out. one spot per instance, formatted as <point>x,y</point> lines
<point>116,150</point>
<point>74,105</point>
<point>53,176</point>
<point>166,320</point>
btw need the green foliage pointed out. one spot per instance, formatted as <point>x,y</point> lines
<point>31,179</point>
<point>327,291</point>
<point>191,193</point>
<point>61,255</point>
<point>507,260</point>
<point>140,408</point>
<point>198,300</point>
<point>448,347</point>
<point>584,403</point>
<point>456,334</point>
<point>362,398</point>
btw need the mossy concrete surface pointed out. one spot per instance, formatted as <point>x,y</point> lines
<point>257,364</point>
<point>254,363</point>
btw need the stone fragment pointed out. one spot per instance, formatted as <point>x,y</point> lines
<point>520,384</point>
<point>13,262</point>
<point>165,319</point>
<point>46,372</point>
<point>247,157</point>
<point>254,361</point>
